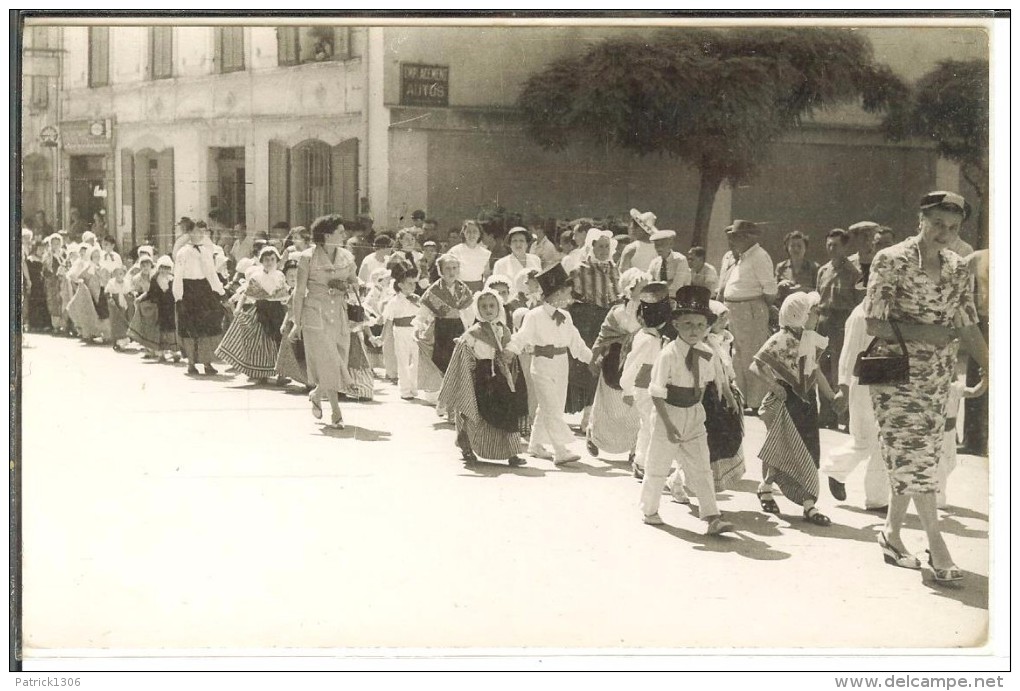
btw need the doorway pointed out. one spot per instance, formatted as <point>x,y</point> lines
<point>87,188</point>
<point>227,200</point>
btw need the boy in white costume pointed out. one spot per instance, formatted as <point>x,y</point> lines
<point>678,428</point>
<point>655,315</point>
<point>551,334</point>
<point>399,313</point>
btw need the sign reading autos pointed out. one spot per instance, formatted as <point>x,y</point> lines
<point>424,85</point>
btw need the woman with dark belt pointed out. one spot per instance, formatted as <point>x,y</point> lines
<point>919,298</point>
<point>444,313</point>
<point>595,292</point>
<point>320,313</point>
<point>197,291</point>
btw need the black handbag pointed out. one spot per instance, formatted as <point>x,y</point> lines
<point>355,313</point>
<point>883,369</point>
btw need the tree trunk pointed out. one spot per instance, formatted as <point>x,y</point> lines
<point>710,182</point>
<point>978,179</point>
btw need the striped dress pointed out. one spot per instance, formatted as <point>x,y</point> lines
<point>595,291</point>
<point>475,363</point>
<point>791,451</point>
<point>252,343</point>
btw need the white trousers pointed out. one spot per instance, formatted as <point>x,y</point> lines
<point>406,349</point>
<point>863,446</point>
<point>646,412</point>
<point>691,455</point>
<point>749,324</point>
<point>549,376</point>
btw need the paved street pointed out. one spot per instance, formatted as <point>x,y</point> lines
<point>167,511</point>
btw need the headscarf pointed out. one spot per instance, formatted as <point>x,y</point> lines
<point>630,278</point>
<point>166,261</point>
<point>593,235</point>
<point>501,313</point>
<point>498,279</point>
<point>521,284</point>
<point>794,314</point>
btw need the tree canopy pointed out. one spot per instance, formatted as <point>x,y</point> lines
<point>717,99</point>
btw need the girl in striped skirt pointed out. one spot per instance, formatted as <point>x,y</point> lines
<point>485,394</point>
<point>252,342</point>
<point>788,364</point>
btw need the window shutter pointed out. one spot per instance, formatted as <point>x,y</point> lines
<point>342,43</point>
<point>345,178</point>
<point>165,218</point>
<point>218,49</point>
<point>300,193</point>
<point>99,56</point>
<point>287,45</point>
<point>127,191</point>
<point>140,169</point>
<point>279,180</point>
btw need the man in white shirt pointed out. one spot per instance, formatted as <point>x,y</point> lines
<point>669,266</point>
<point>641,252</point>
<point>747,285</point>
<point>383,245</point>
<point>702,273</point>
<point>543,247</point>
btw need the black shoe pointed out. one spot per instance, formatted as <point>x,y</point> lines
<point>516,461</point>
<point>209,369</point>
<point>837,489</point>
<point>593,450</point>
<point>192,369</point>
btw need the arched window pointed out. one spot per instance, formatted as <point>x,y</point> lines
<point>310,182</point>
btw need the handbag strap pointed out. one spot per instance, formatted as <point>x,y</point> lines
<point>899,337</point>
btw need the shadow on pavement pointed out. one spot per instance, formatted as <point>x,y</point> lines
<point>594,471</point>
<point>356,433</point>
<point>495,469</point>
<point>962,512</point>
<point>836,530</point>
<point>972,591</point>
<point>734,543</point>
<point>947,522</point>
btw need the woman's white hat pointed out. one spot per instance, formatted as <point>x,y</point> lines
<point>646,220</point>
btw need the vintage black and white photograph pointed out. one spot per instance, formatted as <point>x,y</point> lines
<point>616,333</point>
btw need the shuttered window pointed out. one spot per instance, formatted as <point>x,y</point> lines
<point>40,37</point>
<point>229,48</point>
<point>40,93</point>
<point>312,179</point>
<point>287,47</point>
<point>161,54</point>
<point>99,56</point>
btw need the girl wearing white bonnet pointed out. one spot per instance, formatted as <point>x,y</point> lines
<point>485,393</point>
<point>788,364</point>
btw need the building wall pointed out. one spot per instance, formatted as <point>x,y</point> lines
<point>39,162</point>
<point>198,108</point>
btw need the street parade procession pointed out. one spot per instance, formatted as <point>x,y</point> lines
<point>510,332</point>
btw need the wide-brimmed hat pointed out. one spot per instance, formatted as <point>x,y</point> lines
<point>950,201</point>
<point>742,227</point>
<point>552,279</point>
<point>662,235</point>
<point>693,299</point>
<point>646,220</point>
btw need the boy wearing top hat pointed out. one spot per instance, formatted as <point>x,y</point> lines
<point>680,373</point>
<point>669,266</point>
<point>549,331</point>
<point>655,314</point>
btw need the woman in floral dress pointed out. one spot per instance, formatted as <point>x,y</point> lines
<point>924,289</point>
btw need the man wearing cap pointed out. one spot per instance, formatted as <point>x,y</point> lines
<point>669,266</point>
<point>861,248</point>
<point>837,281</point>
<point>747,285</point>
<point>641,252</point>
<point>417,227</point>
<point>549,331</point>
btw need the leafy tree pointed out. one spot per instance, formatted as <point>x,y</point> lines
<point>949,107</point>
<point>717,99</point>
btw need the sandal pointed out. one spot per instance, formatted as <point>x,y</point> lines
<point>813,515</point>
<point>893,556</point>
<point>338,421</point>
<point>593,450</point>
<point>947,575</point>
<point>768,504</point>
<point>316,407</point>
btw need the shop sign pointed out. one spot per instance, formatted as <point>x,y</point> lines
<point>424,85</point>
<point>87,136</point>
